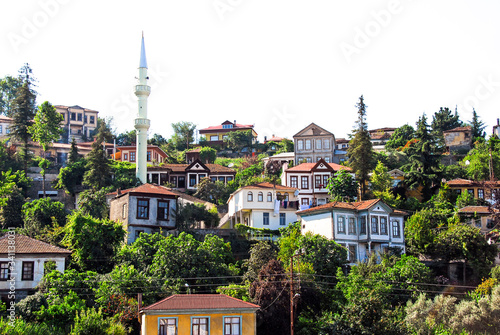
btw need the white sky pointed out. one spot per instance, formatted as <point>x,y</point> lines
<point>278,64</point>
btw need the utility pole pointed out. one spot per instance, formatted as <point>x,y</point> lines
<point>292,295</point>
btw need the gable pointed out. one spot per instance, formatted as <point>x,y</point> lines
<point>380,207</point>
<point>322,166</point>
<point>197,165</point>
<point>313,130</point>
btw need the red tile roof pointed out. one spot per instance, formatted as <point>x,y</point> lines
<point>199,301</point>
<point>468,128</point>
<point>182,168</point>
<point>235,127</point>
<point>146,189</point>
<point>307,167</point>
<point>475,209</point>
<point>354,206</point>
<point>27,245</point>
<point>266,185</point>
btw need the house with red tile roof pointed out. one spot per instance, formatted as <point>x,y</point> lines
<point>23,261</point>
<point>188,176</point>
<point>313,143</point>
<point>126,153</point>
<point>458,139</point>
<point>477,189</point>
<point>478,216</point>
<point>215,134</point>
<point>311,179</point>
<point>263,205</point>
<point>362,227</point>
<point>144,209</point>
<point>78,122</point>
<point>199,314</point>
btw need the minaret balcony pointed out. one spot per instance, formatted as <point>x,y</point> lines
<point>142,123</point>
<point>142,90</point>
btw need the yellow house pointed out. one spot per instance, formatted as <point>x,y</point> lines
<point>199,314</point>
<point>478,189</point>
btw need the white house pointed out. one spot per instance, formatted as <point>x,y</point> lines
<point>362,227</point>
<point>263,205</point>
<point>311,179</point>
<point>144,209</point>
<point>22,264</point>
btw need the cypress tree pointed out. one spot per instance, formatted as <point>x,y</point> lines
<point>98,174</point>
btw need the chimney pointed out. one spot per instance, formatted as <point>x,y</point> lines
<point>118,191</point>
<point>498,122</point>
<point>235,123</point>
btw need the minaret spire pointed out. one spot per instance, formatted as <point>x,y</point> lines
<point>141,124</point>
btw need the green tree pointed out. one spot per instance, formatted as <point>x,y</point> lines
<point>93,242</point>
<point>11,211</point>
<point>260,255</point>
<point>444,120</point>
<point>400,137</point>
<point>158,140</point>
<point>98,174</point>
<point>93,203</point>
<point>477,161</point>
<point>191,216</point>
<point>424,156</point>
<point>215,192</point>
<point>70,178</point>
<point>183,134</point>
<point>8,88</point>
<point>124,175</point>
<point>94,322</point>
<point>40,215</point>
<point>45,129</point>
<point>23,111</point>
<point>381,179</point>
<point>141,252</point>
<point>421,229</point>
<point>477,126</point>
<point>126,138</point>
<point>360,151</point>
<point>238,140</point>
<point>73,156</point>
<point>342,187</point>
<point>208,155</point>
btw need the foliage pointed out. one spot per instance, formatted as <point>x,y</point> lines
<point>124,280</point>
<point>126,138</point>
<point>215,192</point>
<point>98,168</point>
<point>477,126</point>
<point>8,88</point>
<point>93,203</point>
<point>94,242</point>
<point>208,155</point>
<point>73,156</point>
<point>477,161</point>
<point>260,254</point>
<point>61,311</point>
<point>28,307</point>
<point>56,284</point>
<point>342,187</point>
<point>70,178</point>
<point>400,137</point>
<point>42,213</point>
<point>22,327</point>
<point>380,180</point>
<point>443,120</point>
<point>141,252</point>
<point>46,127</point>
<point>157,140</point>
<point>423,169</point>
<point>93,322</point>
<point>191,216</point>
<point>420,229</point>
<point>124,175</point>
<point>235,291</point>
<point>6,186</point>
<point>360,151</point>
<point>184,260</point>
<point>465,199</point>
<point>11,210</point>
<point>238,140</point>
<point>183,134</point>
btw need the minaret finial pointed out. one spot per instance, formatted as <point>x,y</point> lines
<point>143,62</point>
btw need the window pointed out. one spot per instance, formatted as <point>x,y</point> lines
<point>340,225</point>
<point>352,226</point>
<point>7,130</point>
<point>132,156</point>
<point>163,209</point>
<point>167,326</point>
<point>143,208</point>
<point>308,144</point>
<point>73,116</point>
<point>28,270</point>
<point>317,182</point>
<point>92,119</point>
<point>318,144</point>
<point>125,157</point>
<point>374,224</point>
<point>4,271</point>
<point>214,138</point>
<point>0,128</point>
<point>317,159</point>
<point>471,191</point>
<point>278,196</point>
<point>458,191</point>
<point>353,254</point>
<point>326,144</point>
<point>227,126</point>
<point>232,326</point>
<point>480,193</point>
<point>327,159</point>
<point>192,180</point>
<point>260,197</point>
<point>362,221</point>
<point>124,211</point>
<point>395,228</point>
<point>293,181</point>
<point>250,197</point>
<point>85,119</point>
<point>282,219</point>
<point>300,145</point>
<point>229,178</point>
<point>325,181</point>
<point>181,182</point>
<point>213,179</point>
<point>285,196</point>
<point>222,179</point>
<point>148,155</point>
<point>308,160</point>
<point>383,226</point>
<point>304,201</point>
<point>304,183</point>
<point>265,219</point>
<point>269,197</point>
<point>79,116</point>
<point>199,326</point>
<point>138,233</point>
<point>173,181</point>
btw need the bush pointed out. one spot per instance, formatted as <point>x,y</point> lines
<point>93,322</point>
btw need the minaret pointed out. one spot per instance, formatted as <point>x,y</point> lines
<point>142,91</point>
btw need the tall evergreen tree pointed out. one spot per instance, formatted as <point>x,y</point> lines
<point>360,151</point>
<point>23,112</point>
<point>444,120</point>
<point>73,153</point>
<point>98,174</point>
<point>477,126</point>
<point>46,129</point>
<point>424,157</point>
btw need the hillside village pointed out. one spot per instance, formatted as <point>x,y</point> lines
<point>391,230</point>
